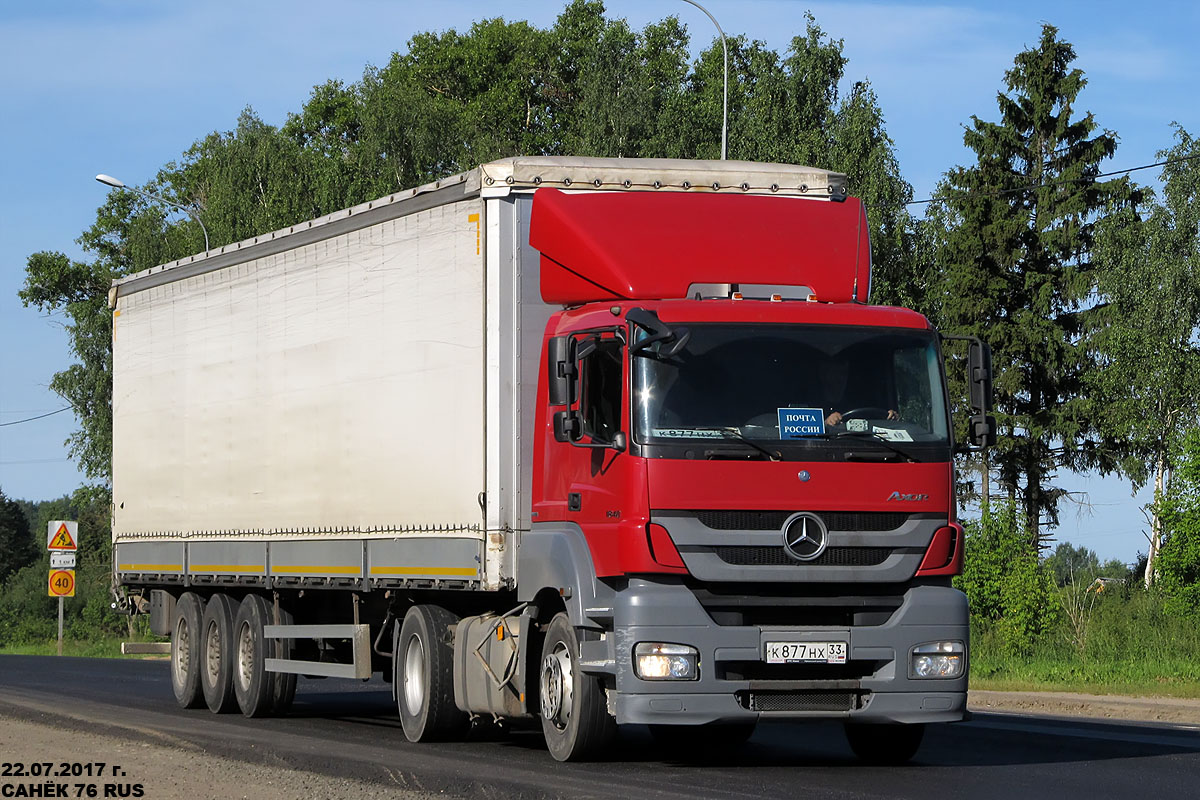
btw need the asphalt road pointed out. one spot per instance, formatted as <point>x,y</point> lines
<point>349,729</point>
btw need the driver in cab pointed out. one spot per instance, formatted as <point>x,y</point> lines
<point>835,380</point>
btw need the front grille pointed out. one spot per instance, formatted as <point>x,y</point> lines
<point>853,669</point>
<point>876,521</point>
<point>778,557</point>
<point>802,700</point>
<point>807,605</point>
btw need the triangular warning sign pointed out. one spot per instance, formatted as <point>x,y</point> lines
<point>62,539</point>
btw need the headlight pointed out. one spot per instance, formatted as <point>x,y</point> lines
<point>937,660</point>
<point>655,661</point>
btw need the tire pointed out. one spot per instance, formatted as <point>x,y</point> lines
<point>884,744</point>
<point>423,675</point>
<point>216,653</point>
<point>285,682</point>
<point>185,651</point>
<point>252,684</point>
<point>574,709</point>
<point>708,740</point>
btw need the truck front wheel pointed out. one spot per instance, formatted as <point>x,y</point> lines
<point>185,651</point>
<point>575,719</point>
<point>423,677</point>
<point>884,744</point>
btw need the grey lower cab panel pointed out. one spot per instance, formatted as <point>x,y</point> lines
<point>435,561</point>
<point>735,682</point>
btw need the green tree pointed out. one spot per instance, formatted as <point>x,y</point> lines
<point>1005,585</point>
<point>1015,261</point>
<point>17,544</point>
<point>587,86</point>
<point>1150,344</point>
<point>1178,564</point>
<point>1073,565</point>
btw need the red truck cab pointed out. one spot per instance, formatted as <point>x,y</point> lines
<point>755,466</point>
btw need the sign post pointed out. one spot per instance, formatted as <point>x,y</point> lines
<point>62,540</point>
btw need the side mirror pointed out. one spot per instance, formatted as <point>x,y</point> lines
<point>979,377</point>
<point>982,430</point>
<point>560,370</point>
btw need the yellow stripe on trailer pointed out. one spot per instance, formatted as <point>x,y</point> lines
<point>226,568</point>
<point>306,570</point>
<point>150,567</point>
<point>461,571</point>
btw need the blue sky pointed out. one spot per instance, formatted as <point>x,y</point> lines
<point>123,87</point>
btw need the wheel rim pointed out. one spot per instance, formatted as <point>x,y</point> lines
<point>212,652</point>
<point>245,656</point>
<point>414,675</point>
<point>182,659</point>
<point>558,686</point>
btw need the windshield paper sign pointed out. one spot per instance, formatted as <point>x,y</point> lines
<point>797,423</point>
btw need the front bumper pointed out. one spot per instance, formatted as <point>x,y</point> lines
<point>654,611</point>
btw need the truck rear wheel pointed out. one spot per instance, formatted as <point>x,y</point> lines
<point>185,651</point>
<point>574,711</point>
<point>216,653</point>
<point>252,684</point>
<point>423,677</point>
<point>884,744</point>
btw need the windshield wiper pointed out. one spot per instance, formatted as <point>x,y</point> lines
<point>868,436</point>
<point>734,433</point>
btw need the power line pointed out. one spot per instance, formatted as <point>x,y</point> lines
<point>1031,186</point>
<point>31,419</point>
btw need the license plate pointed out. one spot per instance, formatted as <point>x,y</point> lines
<point>806,652</point>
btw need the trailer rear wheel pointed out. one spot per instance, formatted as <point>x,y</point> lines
<point>216,653</point>
<point>284,682</point>
<point>423,678</point>
<point>884,744</point>
<point>252,684</point>
<point>574,711</point>
<point>185,651</point>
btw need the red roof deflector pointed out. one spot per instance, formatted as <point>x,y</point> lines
<point>650,246</point>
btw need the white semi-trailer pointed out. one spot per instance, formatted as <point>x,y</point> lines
<point>552,438</point>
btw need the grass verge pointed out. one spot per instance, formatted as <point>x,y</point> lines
<point>99,648</point>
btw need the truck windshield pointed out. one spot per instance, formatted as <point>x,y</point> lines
<point>800,385</point>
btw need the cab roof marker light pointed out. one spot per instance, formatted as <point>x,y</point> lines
<point>776,298</point>
<point>736,296</point>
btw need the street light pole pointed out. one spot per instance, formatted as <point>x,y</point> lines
<point>725,90</point>
<point>109,180</point>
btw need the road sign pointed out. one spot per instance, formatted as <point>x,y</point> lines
<point>62,535</point>
<point>62,583</point>
<point>60,560</point>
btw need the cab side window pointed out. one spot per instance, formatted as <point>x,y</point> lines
<point>600,391</point>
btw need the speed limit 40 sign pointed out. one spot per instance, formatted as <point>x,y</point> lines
<point>62,583</point>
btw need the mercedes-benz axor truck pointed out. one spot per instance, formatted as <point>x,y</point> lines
<point>592,442</point>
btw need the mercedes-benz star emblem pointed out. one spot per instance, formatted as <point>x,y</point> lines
<point>804,536</point>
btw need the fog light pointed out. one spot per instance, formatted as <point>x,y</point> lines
<point>938,660</point>
<point>655,661</point>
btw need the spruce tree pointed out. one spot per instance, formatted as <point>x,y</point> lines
<point>1016,269</point>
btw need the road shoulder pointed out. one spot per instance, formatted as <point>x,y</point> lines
<point>1069,704</point>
